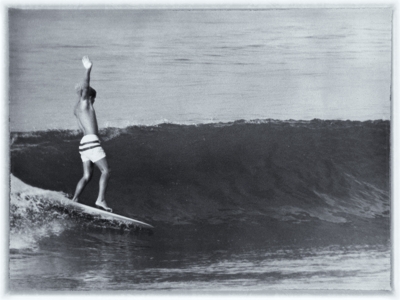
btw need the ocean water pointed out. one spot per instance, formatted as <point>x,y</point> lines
<point>200,66</point>
<point>262,206</point>
<point>257,142</point>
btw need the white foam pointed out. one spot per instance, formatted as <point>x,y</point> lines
<point>30,222</point>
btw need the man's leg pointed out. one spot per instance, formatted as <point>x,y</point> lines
<point>87,175</point>
<point>105,175</point>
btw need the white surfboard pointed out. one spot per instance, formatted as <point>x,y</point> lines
<point>104,215</point>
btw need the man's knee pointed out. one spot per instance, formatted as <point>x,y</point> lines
<point>103,167</point>
<point>106,171</point>
<point>86,177</point>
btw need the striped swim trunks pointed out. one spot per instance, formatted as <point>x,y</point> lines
<point>90,148</point>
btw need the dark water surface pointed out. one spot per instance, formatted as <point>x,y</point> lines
<point>100,259</point>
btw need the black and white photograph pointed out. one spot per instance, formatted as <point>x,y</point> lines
<point>204,150</point>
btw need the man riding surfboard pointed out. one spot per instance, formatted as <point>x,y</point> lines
<point>90,149</point>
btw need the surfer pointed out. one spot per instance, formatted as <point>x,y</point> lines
<point>90,149</point>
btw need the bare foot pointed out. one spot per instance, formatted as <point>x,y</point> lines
<point>103,205</point>
<point>87,63</point>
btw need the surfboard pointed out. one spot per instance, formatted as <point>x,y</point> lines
<point>104,215</point>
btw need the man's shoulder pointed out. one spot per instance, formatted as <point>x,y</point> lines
<point>82,103</point>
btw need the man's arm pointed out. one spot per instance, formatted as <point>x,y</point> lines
<point>86,81</point>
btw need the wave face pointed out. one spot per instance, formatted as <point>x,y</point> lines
<point>301,178</point>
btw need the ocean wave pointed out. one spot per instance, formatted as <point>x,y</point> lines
<point>291,172</point>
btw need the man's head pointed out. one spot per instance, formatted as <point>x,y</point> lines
<point>92,92</point>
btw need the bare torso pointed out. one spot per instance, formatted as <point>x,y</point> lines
<point>86,116</point>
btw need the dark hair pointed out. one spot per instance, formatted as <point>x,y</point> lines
<point>93,93</point>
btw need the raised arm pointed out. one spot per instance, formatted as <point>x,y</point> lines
<point>86,81</point>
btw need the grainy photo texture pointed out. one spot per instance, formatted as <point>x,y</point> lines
<point>200,150</point>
